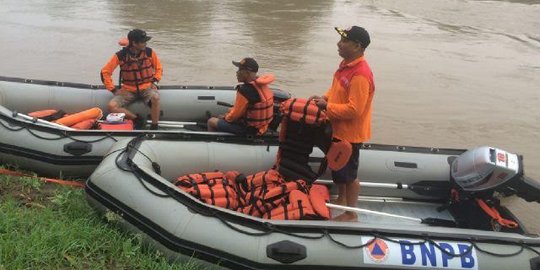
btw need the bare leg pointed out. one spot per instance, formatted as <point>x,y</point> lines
<point>156,107</point>
<point>341,199</point>
<point>352,190</point>
<point>212,123</point>
<point>115,108</point>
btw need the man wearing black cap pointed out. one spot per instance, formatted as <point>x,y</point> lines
<point>253,108</point>
<point>140,73</point>
<point>348,106</point>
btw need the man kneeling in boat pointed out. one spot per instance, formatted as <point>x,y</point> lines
<point>253,108</point>
<point>140,72</point>
<point>348,106</point>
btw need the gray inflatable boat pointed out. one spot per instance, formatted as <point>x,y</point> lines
<point>403,189</point>
<point>54,150</point>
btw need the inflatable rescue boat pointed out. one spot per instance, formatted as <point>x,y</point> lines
<point>419,208</point>
<point>52,149</point>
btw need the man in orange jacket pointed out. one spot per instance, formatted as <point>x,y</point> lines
<point>253,108</point>
<point>348,106</point>
<point>140,73</point>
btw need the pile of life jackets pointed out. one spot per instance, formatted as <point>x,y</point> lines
<point>285,192</point>
<point>86,119</point>
<point>265,194</point>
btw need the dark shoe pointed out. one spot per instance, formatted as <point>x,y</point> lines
<point>154,127</point>
<point>139,123</point>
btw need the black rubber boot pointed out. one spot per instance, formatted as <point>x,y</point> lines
<point>139,123</point>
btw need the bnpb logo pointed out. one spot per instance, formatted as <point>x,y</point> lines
<point>377,250</point>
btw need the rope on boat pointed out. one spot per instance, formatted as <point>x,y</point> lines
<point>63,133</point>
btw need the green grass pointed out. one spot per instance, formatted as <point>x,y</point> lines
<point>47,226</point>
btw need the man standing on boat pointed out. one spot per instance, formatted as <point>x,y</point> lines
<point>253,108</point>
<point>140,73</point>
<point>348,106</point>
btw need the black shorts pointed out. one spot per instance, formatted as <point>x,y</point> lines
<point>349,172</point>
<point>231,127</point>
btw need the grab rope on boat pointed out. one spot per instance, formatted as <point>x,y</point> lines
<point>269,228</point>
<point>63,133</point>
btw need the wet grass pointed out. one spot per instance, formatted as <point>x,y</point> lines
<point>47,226</point>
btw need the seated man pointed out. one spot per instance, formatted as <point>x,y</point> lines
<point>140,72</point>
<point>253,109</point>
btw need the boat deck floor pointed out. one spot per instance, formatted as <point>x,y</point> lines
<point>403,208</point>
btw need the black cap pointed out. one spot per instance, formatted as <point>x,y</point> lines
<point>247,63</point>
<point>356,34</point>
<point>138,35</point>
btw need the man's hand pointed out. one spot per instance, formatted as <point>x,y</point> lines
<point>315,97</point>
<point>155,83</point>
<point>321,103</point>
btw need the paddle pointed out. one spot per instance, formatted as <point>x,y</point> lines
<point>428,221</point>
<point>425,188</point>
<point>41,121</point>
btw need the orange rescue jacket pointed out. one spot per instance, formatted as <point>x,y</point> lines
<point>136,72</point>
<point>259,114</point>
<point>216,188</point>
<point>350,101</point>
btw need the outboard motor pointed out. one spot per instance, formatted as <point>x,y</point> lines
<point>482,171</point>
<point>476,175</point>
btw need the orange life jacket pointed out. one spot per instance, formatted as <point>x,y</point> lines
<point>72,119</point>
<point>263,194</point>
<point>304,125</point>
<point>260,114</point>
<point>135,71</point>
<point>298,206</point>
<point>126,125</point>
<point>263,200</point>
<point>216,188</point>
<point>338,154</point>
<point>304,111</point>
<point>84,124</point>
<point>319,195</point>
<point>253,187</point>
<point>264,178</point>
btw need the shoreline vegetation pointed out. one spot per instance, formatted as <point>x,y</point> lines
<point>50,226</point>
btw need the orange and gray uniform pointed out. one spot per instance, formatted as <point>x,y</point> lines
<point>349,101</point>
<point>137,72</point>
<point>254,104</point>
